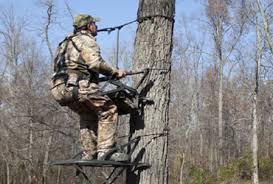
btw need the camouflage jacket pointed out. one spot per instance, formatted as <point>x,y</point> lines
<point>83,55</point>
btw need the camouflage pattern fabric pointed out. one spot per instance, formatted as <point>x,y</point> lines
<point>88,143</point>
<point>63,94</point>
<point>98,123</point>
<point>98,118</point>
<point>83,20</point>
<point>86,56</point>
<point>98,114</point>
<point>106,112</point>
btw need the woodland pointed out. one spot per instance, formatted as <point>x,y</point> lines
<point>214,105</point>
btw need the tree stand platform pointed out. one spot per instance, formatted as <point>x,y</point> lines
<point>79,164</point>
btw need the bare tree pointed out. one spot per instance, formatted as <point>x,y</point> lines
<point>255,96</point>
<point>11,30</point>
<point>218,12</point>
<point>49,5</point>
<point>265,26</point>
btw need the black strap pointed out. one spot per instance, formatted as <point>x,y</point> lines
<point>73,43</point>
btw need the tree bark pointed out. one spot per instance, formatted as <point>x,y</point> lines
<point>153,47</point>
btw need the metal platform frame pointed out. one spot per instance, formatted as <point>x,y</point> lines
<point>79,164</point>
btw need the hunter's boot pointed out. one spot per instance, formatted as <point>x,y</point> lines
<point>116,156</point>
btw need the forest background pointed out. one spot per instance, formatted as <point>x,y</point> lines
<point>214,94</point>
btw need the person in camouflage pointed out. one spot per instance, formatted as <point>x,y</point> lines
<point>75,84</point>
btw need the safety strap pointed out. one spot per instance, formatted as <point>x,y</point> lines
<point>139,20</point>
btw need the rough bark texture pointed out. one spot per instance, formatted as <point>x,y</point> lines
<point>153,46</point>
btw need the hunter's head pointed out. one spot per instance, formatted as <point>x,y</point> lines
<point>85,22</point>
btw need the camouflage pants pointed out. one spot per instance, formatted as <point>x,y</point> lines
<point>98,119</point>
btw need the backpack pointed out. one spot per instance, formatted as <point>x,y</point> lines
<point>61,93</point>
<point>59,57</point>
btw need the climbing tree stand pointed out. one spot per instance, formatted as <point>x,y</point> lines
<point>128,101</point>
<point>114,174</point>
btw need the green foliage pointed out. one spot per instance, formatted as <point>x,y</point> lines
<point>266,168</point>
<point>236,171</point>
<point>241,168</point>
<point>227,173</point>
<point>200,176</point>
<point>175,170</point>
<point>244,166</point>
<point>237,168</point>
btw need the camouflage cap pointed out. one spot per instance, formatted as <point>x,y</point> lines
<point>83,19</point>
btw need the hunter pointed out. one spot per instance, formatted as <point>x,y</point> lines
<point>77,65</point>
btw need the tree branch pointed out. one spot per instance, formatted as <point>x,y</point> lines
<point>266,27</point>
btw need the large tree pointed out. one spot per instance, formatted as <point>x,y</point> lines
<point>153,47</point>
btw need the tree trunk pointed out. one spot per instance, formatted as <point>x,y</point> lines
<point>181,175</point>
<point>30,152</point>
<point>265,26</point>
<point>45,163</point>
<point>153,47</point>
<point>218,43</point>
<point>255,96</point>
<point>59,175</point>
<point>8,172</point>
<point>201,146</point>
<point>220,115</point>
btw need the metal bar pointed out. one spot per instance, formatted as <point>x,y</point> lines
<point>142,79</point>
<point>115,176</point>
<point>80,171</point>
<point>78,178</point>
<point>109,29</point>
<point>117,51</point>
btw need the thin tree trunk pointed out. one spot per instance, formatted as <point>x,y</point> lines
<point>255,96</point>
<point>50,6</point>
<point>218,40</point>
<point>153,47</point>
<point>220,115</point>
<point>255,141</point>
<point>211,147</point>
<point>265,26</point>
<point>45,163</point>
<point>8,172</point>
<point>182,168</point>
<point>268,145</point>
<point>59,175</point>
<point>30,153</point>
<point>185,155</point>
<point>201,145</point>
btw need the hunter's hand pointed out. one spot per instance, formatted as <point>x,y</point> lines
<point>119,74</point>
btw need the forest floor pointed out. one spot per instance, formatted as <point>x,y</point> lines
<point>247,182</point>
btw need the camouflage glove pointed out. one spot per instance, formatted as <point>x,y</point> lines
<point>119,74</point>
